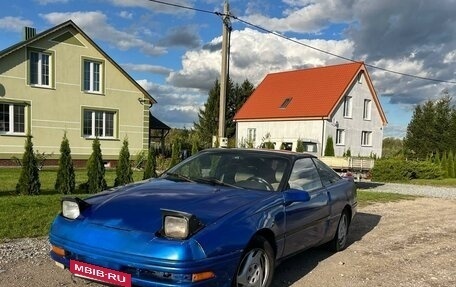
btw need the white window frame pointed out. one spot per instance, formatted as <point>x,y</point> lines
<point>39,82</point>
<point>366,138</point>
<point>93,124</point>
<point>348,102</point>
<point>251,135</point>
<point>11,130</point>
<point>340,137</point>
<point>367,110</point>
<point>91,88</point>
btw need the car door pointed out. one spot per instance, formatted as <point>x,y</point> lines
<point>337,191</point>
<point>305,220</point>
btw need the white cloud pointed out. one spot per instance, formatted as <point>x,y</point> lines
<point>450,57</point>
<point>253,55</point>
<point>305,16</point>
<point>177,107</point>
<point>94,23</point>
<point>15,24</point>
<point>147,68</point>
<point>126,15</point>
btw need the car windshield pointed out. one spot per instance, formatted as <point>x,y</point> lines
<point>241,169</point>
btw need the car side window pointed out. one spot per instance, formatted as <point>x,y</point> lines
<point>304,175</point>
<point>327,174</point>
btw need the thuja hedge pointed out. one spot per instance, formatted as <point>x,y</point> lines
<point>400,170</point>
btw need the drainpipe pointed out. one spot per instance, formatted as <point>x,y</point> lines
<point>322,136</point>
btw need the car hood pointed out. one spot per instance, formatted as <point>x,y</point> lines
<point>138,207</point>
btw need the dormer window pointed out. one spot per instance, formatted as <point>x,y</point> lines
<point>285,103</point>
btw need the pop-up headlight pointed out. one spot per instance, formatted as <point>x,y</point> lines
<point>179,225</point>
<point>72,207</point>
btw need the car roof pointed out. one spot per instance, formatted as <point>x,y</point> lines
<point>284,153</point>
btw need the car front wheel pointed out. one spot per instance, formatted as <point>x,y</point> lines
<point>257,265</point>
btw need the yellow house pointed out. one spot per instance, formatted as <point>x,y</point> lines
<point>60,81</point>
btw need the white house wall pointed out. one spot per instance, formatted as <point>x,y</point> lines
<point>355,125</point>
<point>281,131</point>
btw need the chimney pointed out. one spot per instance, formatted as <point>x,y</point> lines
<point>28,33</point>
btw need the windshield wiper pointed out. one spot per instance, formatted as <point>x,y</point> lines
<point>213,181</point>
<point>179,176</point>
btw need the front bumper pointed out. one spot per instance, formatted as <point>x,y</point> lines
<point>150,271</point>
<point>148,259</point>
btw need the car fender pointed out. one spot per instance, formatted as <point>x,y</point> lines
<point>233,232</point>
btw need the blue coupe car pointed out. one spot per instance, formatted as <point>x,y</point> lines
<point>223,217</point>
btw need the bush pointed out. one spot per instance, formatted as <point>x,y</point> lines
<point>124,173</point>
<point>175,158</point>
<point>151,164</point>
<point>95,169</point>
<point>300,146</point>
<point>65,182</point>
<point>29,180</point>
<point>329,149</point>
<point>400,170</point>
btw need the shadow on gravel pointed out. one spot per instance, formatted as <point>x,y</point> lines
<point>368,184</point>
<point>294,268</point>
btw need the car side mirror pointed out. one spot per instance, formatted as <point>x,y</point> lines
<point>296,195</point>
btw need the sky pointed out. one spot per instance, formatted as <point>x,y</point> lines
<point>175,53</point>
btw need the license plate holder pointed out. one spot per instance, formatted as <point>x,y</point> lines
<point>101,274</point>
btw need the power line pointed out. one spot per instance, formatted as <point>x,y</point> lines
<point>301,43</point>
<point>185,7</point>
<point>342,57</point>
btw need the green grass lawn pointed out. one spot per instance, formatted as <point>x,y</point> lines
<point>10,176</point>
<point>31,216</point>
<point>370,197</point>
<point>445,182</point>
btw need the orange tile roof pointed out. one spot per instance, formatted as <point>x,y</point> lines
<point>315,92</point>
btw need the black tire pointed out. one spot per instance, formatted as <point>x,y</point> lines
<point>257,264</point>
<point>339,242</point>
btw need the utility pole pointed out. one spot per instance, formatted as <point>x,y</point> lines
<point>224,72</point>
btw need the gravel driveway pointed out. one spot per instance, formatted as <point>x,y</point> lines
<point>406,243</point>
<point>412,189</point>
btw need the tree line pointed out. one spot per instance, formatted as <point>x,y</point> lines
<point>430,140</point>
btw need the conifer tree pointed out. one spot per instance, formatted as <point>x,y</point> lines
<point>29,181</point>
<point>151,164</point>
<point>207,125</point>
<point>194,147</point>
<point>300,146</point>
<point>444,165</point>
<point>329,149</point>
<point>124,173</point>
<point>437,158</point>
<point>65,182</point>
<point>95,169</point>
<point>175,154</point>
<point>450,164</point>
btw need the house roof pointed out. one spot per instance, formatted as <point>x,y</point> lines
<point>156,124</point>
<point>304,94</point>
<point>65,25</point>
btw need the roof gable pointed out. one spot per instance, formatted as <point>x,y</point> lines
<point>308,93</point>
<point>68,38</point>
